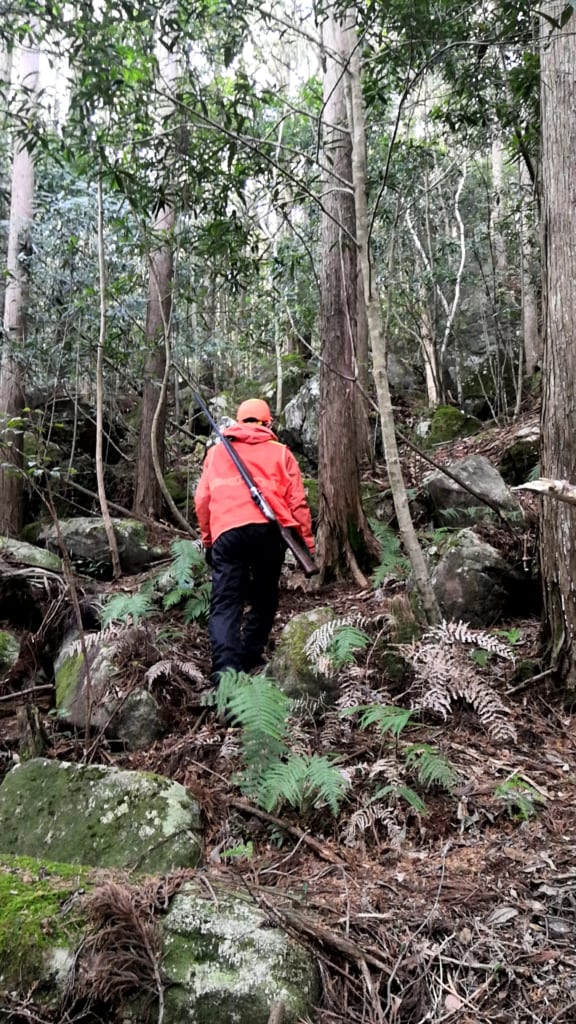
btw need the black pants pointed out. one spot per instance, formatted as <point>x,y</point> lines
<point>246,565</point>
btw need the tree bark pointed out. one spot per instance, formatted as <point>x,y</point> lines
<point>377,341</point>
<point>341,517</point>
<point>15,308</point>
<point>148,483</point>
<point>558,453</point>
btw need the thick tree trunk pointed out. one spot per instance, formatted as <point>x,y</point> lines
<point>558,455</point>
<point>341,517</point>
<point>15,308</point>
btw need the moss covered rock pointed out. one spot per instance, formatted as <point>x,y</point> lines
<point>448,423</point>
<point>87,545</point>
<point>36,934</point>
<point>100,700</point>
<point>224,963</point>
<point>9,649</point>
<point>88,814</point>
<point>30,554</point>
<point>290,666</point>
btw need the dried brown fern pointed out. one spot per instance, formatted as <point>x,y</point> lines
<point>120,954</point>
<point>444,672</point>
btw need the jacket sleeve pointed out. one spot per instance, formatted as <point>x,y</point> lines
<point>202,503</point>
<point>297,502</point>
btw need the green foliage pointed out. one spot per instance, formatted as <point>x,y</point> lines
<point>125,607</point>
<point>302,781</point>
<point>399,791</point>
<point>387,718</point>
<point>433,769</point>
<point>192,589</point>
<point>392,561</point>
<point>519,797</point>
<point>347,641</point>
<point>272,774</point>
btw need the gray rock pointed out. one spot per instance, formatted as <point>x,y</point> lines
<point>87,545</point>
<point>290,667</point>
<point>476,471</point>
<point>301,419</point>
<point>98,699</point>
<point>29,554</point>
<point>225,963</point>
<point>473,583</point>
<point>98,816</point>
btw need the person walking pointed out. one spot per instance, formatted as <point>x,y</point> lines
<point>244,549</point>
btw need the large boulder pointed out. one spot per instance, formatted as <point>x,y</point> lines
<point>94,696</point>
<point>104,817</point>
<point>473,583</point>
<point>219,958</point>
<point>87,545</point>
<point>454,505</point>
<point>29,554</point>
<point>301,418</point>
<point>225,963</point>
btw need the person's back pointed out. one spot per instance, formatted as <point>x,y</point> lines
<point>245,550</point>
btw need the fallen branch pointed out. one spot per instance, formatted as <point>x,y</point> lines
<point>562,490</point>
<point>321,849</point>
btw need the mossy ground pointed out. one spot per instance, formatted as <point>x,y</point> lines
<point>32,896</point>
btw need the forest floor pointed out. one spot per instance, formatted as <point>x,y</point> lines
<point>459,910</point>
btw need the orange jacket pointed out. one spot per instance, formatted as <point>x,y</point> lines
<point>222,499</point>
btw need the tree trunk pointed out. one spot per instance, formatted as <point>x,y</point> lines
<point>15,308</point>
<point>530,327</point>
<point>148,497</point>
<point>377,341</point>
<point>341,517</point>
<point>558,455</point>
<point>148,484</point>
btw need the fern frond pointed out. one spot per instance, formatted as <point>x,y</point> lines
<point>346,642</point>
<point>122,607</point>
<point>187,558</point>
<point>174,597</point>
<point>283,782</point>
<point>392,561</point>
<point>399,790</point>
<point>449,632</point>
<point>168,668</point>
<point>432,767</point>
<point>363,819</point>
<point>198,605</point>
<point>388,718</point>
<point>321,638</point>
<point>326,782</point>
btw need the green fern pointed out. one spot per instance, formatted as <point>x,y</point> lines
<point>122,607</point>
<point>302,781</point>
<point>187,562</point>
<point>387,718</point>
<point>432,767</point>
<point>347,640</point>
<point>391,558</point>
<point>188,570</point>
<point>271,773</point>
<point>519,797</point>
<point>197,606</point>
<point>398,791</point>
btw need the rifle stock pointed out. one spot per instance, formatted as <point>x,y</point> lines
<point>299,550</point>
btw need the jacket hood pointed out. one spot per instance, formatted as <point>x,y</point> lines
<point>249,433</point>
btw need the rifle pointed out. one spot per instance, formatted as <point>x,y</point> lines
<point>289,535</point>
